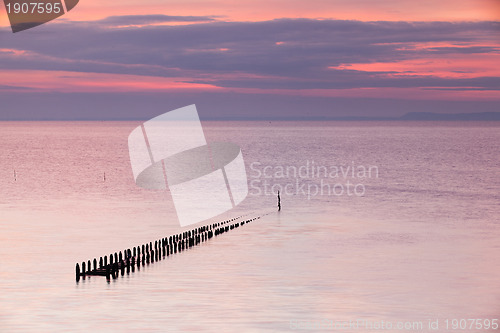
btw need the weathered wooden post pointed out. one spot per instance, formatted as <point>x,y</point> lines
<point>95,264</point>
<point>115,270</point>
<point>77,271</point>
<point>83,268</point>
<point>279,202</point>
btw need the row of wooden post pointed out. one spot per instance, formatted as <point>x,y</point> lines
<point>119,263</point>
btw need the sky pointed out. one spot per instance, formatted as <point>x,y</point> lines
<point>254,59</point>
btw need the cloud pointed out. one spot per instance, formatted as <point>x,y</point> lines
<point>4,87</point>
<point>363,80</point>
<point>277,54</point>
<point>465,50</point>
<point>139,105</point>
<point>129,20</point>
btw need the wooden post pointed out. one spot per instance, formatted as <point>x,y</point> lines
<point>279,202</point>
<point>77,271</point>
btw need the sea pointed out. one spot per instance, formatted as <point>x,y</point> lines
<point>384,226</point>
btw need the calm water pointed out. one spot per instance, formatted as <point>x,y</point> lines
<point>415,239</point>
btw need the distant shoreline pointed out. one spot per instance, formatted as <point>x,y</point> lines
<point>411,116</point>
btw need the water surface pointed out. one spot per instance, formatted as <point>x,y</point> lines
<point>420,244</point>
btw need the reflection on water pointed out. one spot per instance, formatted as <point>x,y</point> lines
<point>420,244</point>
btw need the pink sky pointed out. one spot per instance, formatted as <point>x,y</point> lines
<point>441,60</point>
<point>259,10</point>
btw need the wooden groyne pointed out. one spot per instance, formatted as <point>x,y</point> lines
<point>130,259</point>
